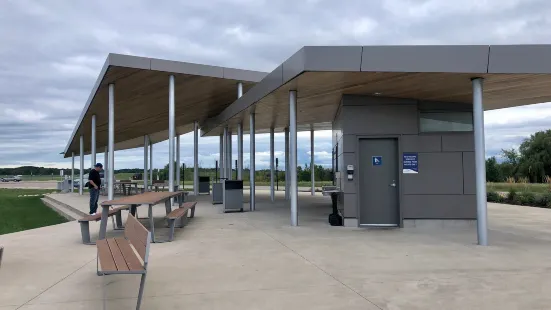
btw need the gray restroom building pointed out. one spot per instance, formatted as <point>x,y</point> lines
<point>407,121</point>
<point>376,135</point>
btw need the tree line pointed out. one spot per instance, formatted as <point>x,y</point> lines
<point>262,175</point>
<point>530,163</point>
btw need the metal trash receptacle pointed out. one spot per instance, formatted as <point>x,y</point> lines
<point>217,193</point>
<point>233,196</point>
<point>204,185</point>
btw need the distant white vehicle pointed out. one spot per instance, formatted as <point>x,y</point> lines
<point>11,179</point>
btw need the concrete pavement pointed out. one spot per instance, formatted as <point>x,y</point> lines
<point>255,260</point>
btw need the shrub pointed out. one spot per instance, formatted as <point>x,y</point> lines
<point>544,200</point>
<point>493,197</point>
<point>512,195</point>
<point>527,199</point>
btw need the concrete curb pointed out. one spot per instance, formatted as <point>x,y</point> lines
<point>62,209</point>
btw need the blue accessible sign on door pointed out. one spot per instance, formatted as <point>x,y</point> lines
<point>377,160</point>
<point>410,163</point>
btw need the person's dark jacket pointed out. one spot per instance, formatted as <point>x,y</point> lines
<point>94,176</point>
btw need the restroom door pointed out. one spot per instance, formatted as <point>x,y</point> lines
<point>379,203</point>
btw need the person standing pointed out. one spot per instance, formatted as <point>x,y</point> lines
<point>94,184</point>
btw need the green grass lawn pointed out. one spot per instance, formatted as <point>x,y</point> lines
<point>519,187</point>
<point>22,213</point>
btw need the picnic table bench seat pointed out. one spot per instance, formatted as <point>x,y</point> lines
<point>85,226</point>
<point>182,214</point>
<point>125,255</point>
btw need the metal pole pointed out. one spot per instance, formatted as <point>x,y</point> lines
<point>480,162</point>
<point>221,157</point>
<point>81,179</point>
<point>229,166</point>
<point>293,156</point>
<point>72,172</point>
<point>93,142</point>
<point>145,162</point>
<point>252,168</point>
<point>178,166</point>
<point>225,152</point>
<point>196,158</point>
<point>287,163</point>
<point>171,133</point>
<point>240,151</point>
<point>240,138</point>
<point>312,165</point>
<point>272,173</point>
<point>150,161</point>
<point>105,167</point>
<point>111,143</point>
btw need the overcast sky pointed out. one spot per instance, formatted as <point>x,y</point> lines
<point>52,51</point>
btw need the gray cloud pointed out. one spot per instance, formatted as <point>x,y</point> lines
<point>52,52</point>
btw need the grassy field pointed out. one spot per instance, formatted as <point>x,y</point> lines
<point>22,213</point>
<point>519,187</point>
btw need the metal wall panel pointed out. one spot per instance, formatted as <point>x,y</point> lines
<point>438,206</point>
<point>469,179</point>
<point>520,59</point>
<point>421,143</point>
<point>186,68</point>
<point>439,173</point>
<point>458,142</point>
<point>332,58</point>
<point>459,58</point>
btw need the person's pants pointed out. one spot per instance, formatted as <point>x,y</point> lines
<point>94,196</point>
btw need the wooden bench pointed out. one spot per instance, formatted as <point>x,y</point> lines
<point>85,226</point>
<point>128,255</point>
<point>180,213</point>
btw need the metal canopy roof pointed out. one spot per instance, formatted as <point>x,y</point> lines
<point>141,99</point>
<point>514,75</point>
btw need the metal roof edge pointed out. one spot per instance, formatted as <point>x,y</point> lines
<point>87,105</point>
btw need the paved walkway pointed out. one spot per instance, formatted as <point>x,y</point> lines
<point>255,260</point>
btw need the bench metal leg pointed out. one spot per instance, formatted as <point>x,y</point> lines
<point>118,217</point>
<point>168,207</point>
<point>151,223</point>
<point>133,210</point>
<point>140,294</point>
<point>171,223</point>
<point>192,212</point>
<point>184,219</point>
<point>85,232</point>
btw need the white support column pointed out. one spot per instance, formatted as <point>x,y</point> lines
<point>171,133</point>
<point>150,161</point>
<point>178,170</point>
<point>105,167</point>
<point>312,165</point>
<point>93,143</point>
<point>287,194</point>
<point>240,138</point>
<point>111,143</point>
<point>196,158</point>
<point>272,169</point>
<point>72,171</point>
<point>221,157</point>
<point>81,178</point>
<point>480,162</point>
<point>252,163</point>
<point>293,156</point>
<point>225,152</point>
<point>230,164</point>
<point>240,151</point>
<point>145,162</point>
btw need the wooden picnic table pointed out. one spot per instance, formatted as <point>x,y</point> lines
<point>126,186</point>
<point>149,198</point>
